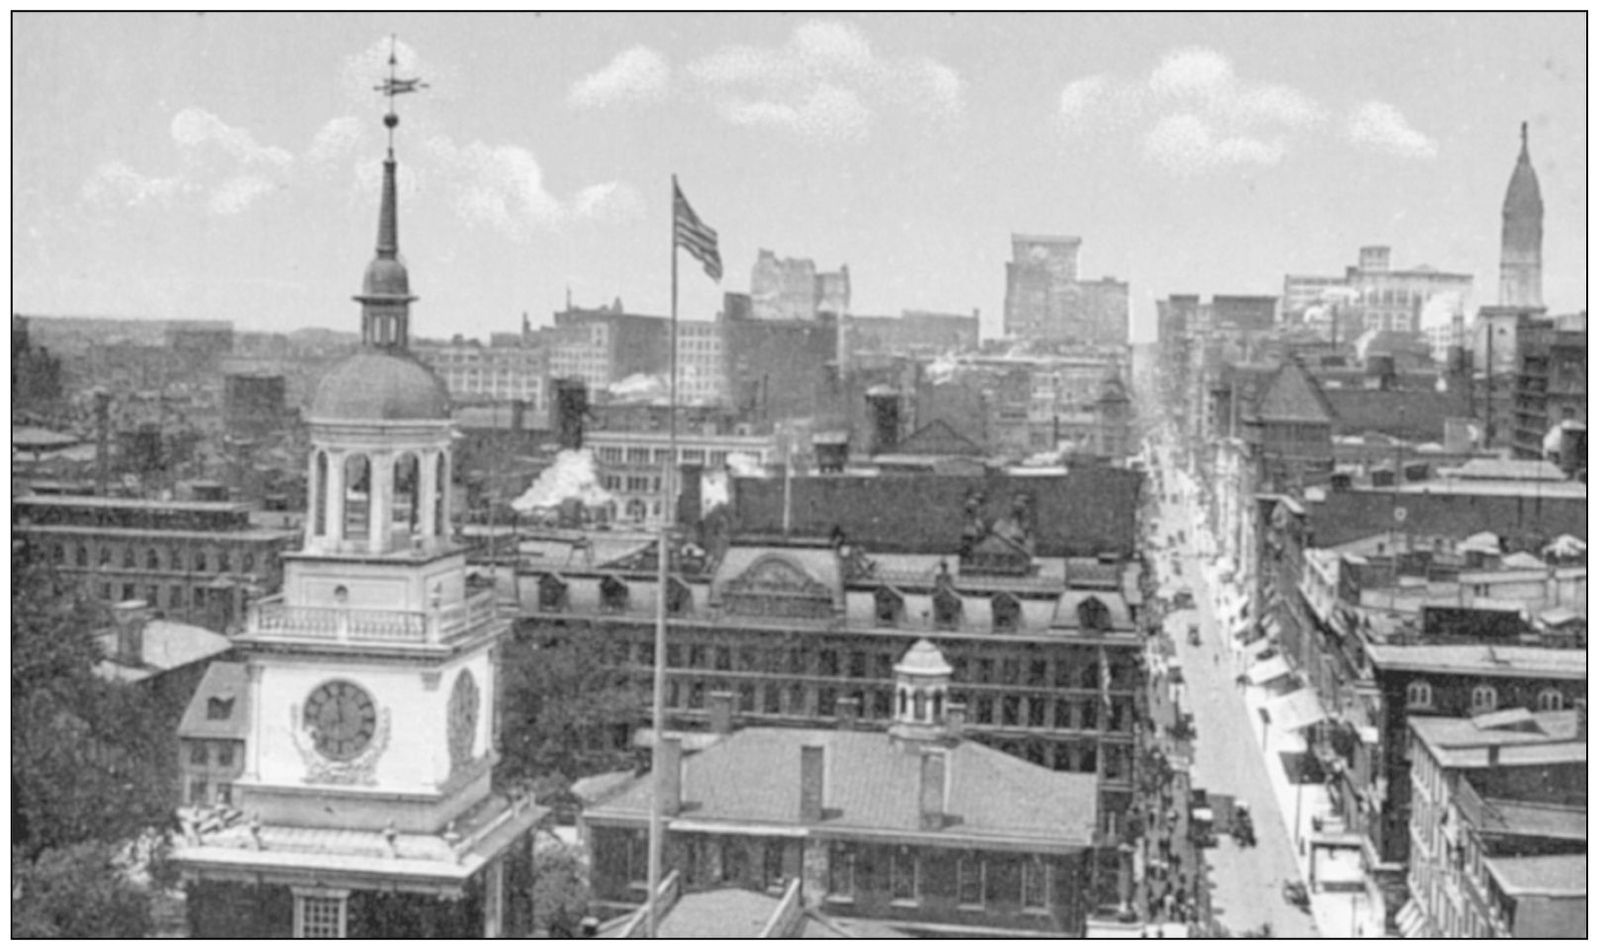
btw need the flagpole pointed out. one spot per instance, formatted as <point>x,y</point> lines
<point>655,830</point>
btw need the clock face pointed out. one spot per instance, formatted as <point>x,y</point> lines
<point>341,718</point>
<point>463,719</point>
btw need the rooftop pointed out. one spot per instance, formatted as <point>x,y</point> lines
<point>229,717</point>
<point>1570,664</point>
<point>1554,876</point>
<point>166,645</point>
<point>872,783</point>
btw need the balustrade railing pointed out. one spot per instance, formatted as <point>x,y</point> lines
<point>274,618</point>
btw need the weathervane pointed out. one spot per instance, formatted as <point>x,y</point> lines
<point>393,87</point>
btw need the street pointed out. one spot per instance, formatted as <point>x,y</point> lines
<point>1246,883</point>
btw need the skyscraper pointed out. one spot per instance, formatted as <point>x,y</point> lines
<point>1522,221</point>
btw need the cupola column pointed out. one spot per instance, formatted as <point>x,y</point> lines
<point>426,492</point>
<point>381,472</point>
<point>334,500</point>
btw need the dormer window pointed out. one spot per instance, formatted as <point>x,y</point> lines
<point>219,708</point>
<point>1006,614</point>
<point>888,608</point>
<point>677,598</point>
<point>1550,699</point>
<point>1419,696</point>
<point>553,595</point>
<point>948,610</point>
<point>1093,615</point>
<point>615,594</point>
<point>1484,699</point>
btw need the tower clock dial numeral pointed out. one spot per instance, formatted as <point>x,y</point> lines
<point>341,718</point>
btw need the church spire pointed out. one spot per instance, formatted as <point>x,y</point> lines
<point>385,295</point>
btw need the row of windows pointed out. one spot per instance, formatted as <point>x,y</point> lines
<point>177,597</point>
<point>178,560</point>
<point>1484,698</point>
<point>1083,672</point>
<point>203,753</point>
<point>643,456</point>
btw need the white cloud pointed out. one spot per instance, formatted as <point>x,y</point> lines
<point>237,194</point>
<point>197,129</point>
<point>337,138</point>
<point>826,82</point>
<point>503,187</point>
<point>1205,80</point>
<point>636,75</point>
<point>1186,144</point>
<point>114,182</point>
<point>1382,126</point>
<point>1080,98</point>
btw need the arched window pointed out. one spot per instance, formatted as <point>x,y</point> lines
<point>678,600</point>
<point>888,608</point>
<point>58,553</point>
<point>223,563</point>
<point>354,518</point>
<point>948,610</point>
<point>1484,699</point>
<point>903,702</point>
<point>1006,613</point>
<point>248,563</point>
<point>1551,699</point>
<point>404,499</point>
<point>920,706</point>
<point>1419,695</point>
<point>615,594</point>
<point>153,562</point>
<point>128,558</point>
<point>316,495</point>
<point>200,560</point>
<point>553,594</point>
<point>81,557</point>
<point>1093,615</point>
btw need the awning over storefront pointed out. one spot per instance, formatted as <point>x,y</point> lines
<point>1296,710</point>
<point>1411,921</point>
<point>1262,672</point>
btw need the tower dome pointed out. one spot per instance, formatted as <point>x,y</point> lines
<point>380,386</point>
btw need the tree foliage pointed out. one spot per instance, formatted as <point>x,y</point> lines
<point>559,890</point>
<point>76,891</point>
<point>560,697</point>
<point>91,759</point>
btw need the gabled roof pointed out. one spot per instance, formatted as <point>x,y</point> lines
<point>1292,395</point>
<point>224,682</point>
<point>938,439</point>
<point>166,645</point>
<point>872,783</point>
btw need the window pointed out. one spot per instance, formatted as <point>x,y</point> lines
<point>839,880</point>
<point>972,877</point>
<point>888,608</point>
<point>1006,614</point>
<point>615,594</point>
<point>224,794</point>
<point>722,658</point>
<point>200,561</point>
<point>636,856</point>
<point>152,561</point>
<point>1419,695</point>
<point>733,860</point>
<point>321,915</point>
<point>81,557</point>
<point>1550,699</point>
<point>696,656</point>
<point>128,558</point>
<point>1484,699</point>
<point>219,708</point>
<point>1034,885</point>
<point>225,755</point>
<point>223,563</point>
<point>948,609</point>
<point>772,698</point>
<point>197,792</point>
<point>198,754</point>
<point>128,591</point>
<point>905,875</point>
<point>1093,615</point>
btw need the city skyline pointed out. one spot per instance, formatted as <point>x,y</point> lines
<point>230,168</point>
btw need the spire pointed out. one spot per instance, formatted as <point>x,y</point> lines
<point>1524,155</point>
<point>385,294</point>
<point>1522,235</point>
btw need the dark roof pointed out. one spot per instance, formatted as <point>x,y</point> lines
<point>375,386</point>
<point>938,439</point>
<point>1292,395</point>
<point>872,783</point>
<point>224,680</point>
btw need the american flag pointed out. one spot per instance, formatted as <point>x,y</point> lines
<point>699,239</point>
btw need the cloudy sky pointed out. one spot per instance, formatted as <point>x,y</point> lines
<point>227,166</point>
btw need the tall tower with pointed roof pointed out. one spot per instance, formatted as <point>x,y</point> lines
<point>1522,224</point>
<point>365,805</point>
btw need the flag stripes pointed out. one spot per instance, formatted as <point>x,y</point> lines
<point>699,239</point>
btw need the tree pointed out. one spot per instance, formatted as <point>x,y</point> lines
<point>559,695</point>
<point>91,759</point>
<point>559,891</point>
<point>76,891</point>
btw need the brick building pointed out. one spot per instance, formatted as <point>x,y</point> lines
<point>1045,298</point>
<point>917,828</point>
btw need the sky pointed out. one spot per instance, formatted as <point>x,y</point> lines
<point>227,166</point>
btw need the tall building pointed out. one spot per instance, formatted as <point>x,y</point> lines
<point>1045,299</point>
<point>370,683</point>
<point>506,370</point>
<point>1374,295</point>
<point>788,289</point>
<point>1522,226</point>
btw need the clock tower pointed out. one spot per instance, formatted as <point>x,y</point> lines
<point>371,681</point>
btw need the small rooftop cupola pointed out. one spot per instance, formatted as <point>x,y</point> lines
<point>921,679</point>
<point>385,293</point>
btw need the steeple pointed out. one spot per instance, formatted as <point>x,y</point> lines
<point>385,295</point>
<point>1522,219</point>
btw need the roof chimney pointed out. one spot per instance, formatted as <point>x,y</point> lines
<point>668,776</point>
<point>130,618</point>
<point>933,789</point>
<point>721,705</point>
<point>811,797</point>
